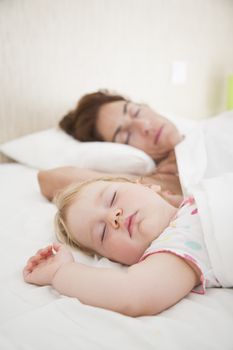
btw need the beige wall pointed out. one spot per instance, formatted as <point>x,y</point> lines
<point>54,51</point>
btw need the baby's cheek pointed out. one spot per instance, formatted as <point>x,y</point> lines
<point>132,255</point>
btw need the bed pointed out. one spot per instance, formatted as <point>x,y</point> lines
<point>37,317</point>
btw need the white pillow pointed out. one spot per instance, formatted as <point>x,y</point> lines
<point>54,148</point>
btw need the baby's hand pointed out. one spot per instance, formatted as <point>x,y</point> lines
<point>42,267</point>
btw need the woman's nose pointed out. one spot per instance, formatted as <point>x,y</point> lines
<point>115,217</point>
<point>141,125</point>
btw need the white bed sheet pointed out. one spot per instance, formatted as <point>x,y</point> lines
<point>35,318</point>
<point>214,198</point>
<point>206,151</point>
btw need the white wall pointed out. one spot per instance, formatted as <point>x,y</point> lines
<point>53,51</point>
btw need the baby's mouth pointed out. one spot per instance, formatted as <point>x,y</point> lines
<point>129,223</point>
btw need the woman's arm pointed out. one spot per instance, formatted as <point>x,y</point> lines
<point>168,165</point>
<point>53,180</point>
<point>146,288</point>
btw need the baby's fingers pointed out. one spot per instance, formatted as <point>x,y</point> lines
<point>27,273</point>
<point>45,251</point>
<point>32,263</point>
<point>41,255</point>
<point>56,247</point>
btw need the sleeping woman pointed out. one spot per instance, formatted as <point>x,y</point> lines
<point>102,116</point>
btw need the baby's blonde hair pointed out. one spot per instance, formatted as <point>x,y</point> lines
<point>63,201</point>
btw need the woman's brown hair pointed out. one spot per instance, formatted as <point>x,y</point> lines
<point>81,122</point>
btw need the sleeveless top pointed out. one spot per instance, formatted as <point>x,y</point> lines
<point>184,238</point>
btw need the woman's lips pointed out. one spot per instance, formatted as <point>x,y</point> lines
<point>158,134</point>
<point>129,223</point>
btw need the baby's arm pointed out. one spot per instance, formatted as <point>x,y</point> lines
<point>146,288</point>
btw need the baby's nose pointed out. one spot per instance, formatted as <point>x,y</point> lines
<point>115,217</point>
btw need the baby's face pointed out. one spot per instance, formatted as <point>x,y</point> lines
<point>118,220</point>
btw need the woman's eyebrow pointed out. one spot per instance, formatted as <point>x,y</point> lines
<point>118,129</point>
<point>125,107</point>
<point>116,133</point>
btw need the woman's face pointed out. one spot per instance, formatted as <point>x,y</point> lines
<point>139,126</point>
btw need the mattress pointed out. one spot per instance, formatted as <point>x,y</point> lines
<point>35,317</point>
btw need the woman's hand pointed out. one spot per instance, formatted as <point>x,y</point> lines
<point>173,199</point>
<point>168,165</point>
<point>42,267</point>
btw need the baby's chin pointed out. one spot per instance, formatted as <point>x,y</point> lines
<point>130,260</point>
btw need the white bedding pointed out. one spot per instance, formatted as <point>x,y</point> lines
<point>207,150</point>
<point>214,198</point>
<point>205,162</point>
<point>35,318</point>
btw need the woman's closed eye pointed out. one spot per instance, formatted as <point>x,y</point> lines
<point>125,137</point>
<point>136,114</point>
<point>134,110</point>
<point>127,140</point>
